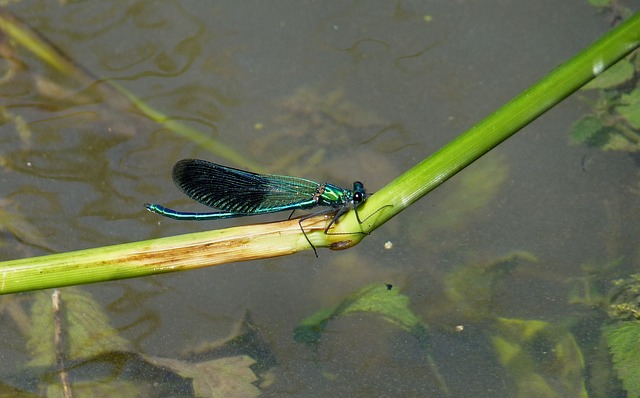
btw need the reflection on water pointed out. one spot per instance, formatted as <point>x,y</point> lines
<point>333,92</point>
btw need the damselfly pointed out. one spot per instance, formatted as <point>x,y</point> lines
<point>239,193</point>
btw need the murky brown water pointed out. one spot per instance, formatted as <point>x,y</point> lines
<point>331,91</point>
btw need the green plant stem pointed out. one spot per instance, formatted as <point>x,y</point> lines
<point>497,127</point>
<point>156,256</point>
<point>275,239</point>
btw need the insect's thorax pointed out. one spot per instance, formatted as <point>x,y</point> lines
<point>331,195</point>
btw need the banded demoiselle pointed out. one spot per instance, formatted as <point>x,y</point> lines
<point>239,193</point>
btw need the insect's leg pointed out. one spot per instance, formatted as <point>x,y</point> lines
<point>343,210</point>
<point>291,215</point>
<point>335,218</point>
<point>306,237</point>
<point>308,217</point>
<point>355,208</point>
<point>370,215</point>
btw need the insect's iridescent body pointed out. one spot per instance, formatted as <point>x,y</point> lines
<point>239,193</point>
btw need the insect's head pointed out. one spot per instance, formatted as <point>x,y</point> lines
<point>359,193</point>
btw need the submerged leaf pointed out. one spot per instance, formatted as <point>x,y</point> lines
<point>381,300</point>
<point>541,360</point>
<point>18,226</point>
<point>585,129</point>
<point>618,142</point>
<point>632,98</point>
<point>114,389</point>
<point>630,108</point>
<point>623,339</point>
<point>311,328</point>
<point>224,377</point>
<point>86,329</point>
<point>468,192</point>
<point>616,75</point>
<point>244,339</point>
<point>631,113</point>
<point>624,298</point>
<point>375,299</point>
<point>310,120</point>
<point>471,288</point>
<point>599,3</point>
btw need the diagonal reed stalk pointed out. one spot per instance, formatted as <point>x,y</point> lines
<point>282,238</point>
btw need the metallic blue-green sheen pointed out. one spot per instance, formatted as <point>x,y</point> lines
<point>238,193</point>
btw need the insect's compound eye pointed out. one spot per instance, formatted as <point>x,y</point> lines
<point>358,193</point>
<point>358,197</point>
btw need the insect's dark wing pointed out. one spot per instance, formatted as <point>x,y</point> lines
<point>240,191</point>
